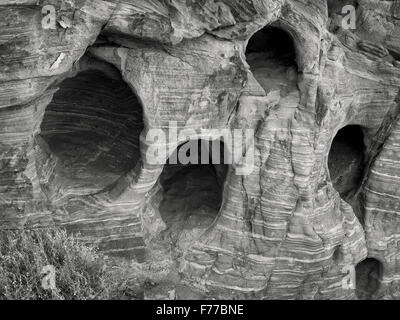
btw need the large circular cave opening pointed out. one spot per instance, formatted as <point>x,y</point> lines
<point>369,274</point>
<point>346,160</point>
<point>271,55</point>
<point>91,129</point>
<point>192,192</point>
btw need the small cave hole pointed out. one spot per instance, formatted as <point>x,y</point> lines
<point>346,161</point>
<point>369,274</point>
<point>91,129</point>
<point>337,254</point>
<point>192,192</point>
<point>271,55</point>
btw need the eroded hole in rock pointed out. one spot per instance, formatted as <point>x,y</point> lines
<point>368,278</point>
<point>271,55</point>
<point>346,161</point>
<point>337,254</point>
<point>91,129</point>
<point>192,193</point>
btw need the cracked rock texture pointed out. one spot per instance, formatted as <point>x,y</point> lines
<point>323,201</point>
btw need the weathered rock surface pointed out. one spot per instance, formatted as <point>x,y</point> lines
<point>77,100</point>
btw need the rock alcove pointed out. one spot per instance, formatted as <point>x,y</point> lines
<point>368,278</point>
<point>192,192</point>
<point>91,129</point>
<point>288,71</point>
<point>271,54</point>
<point>346,160</point>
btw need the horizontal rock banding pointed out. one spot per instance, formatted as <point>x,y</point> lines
<point>281,232</point>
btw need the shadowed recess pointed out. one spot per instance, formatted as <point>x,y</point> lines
<point>346,160</point>
<point>368,278</point>
<point>271,55</point>
<point>192,194</point>
<point>92,129</point>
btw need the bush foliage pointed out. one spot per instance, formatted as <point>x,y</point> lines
<point>80,271</point>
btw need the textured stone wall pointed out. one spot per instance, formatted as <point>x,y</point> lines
<point>77,101</point>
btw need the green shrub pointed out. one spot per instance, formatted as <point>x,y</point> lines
<point>81,272</point>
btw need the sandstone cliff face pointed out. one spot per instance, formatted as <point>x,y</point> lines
<point>77,100</point>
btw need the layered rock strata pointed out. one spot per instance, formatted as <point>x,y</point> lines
<point>78,99</point>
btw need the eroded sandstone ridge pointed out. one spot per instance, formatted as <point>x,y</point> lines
<point>77,100</point>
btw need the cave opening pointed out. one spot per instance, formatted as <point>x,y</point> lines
<point>369,274</point>
<point>91,130</point>
<point>346,161</point>
<point>271,55</point>
<point>192,192</point>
